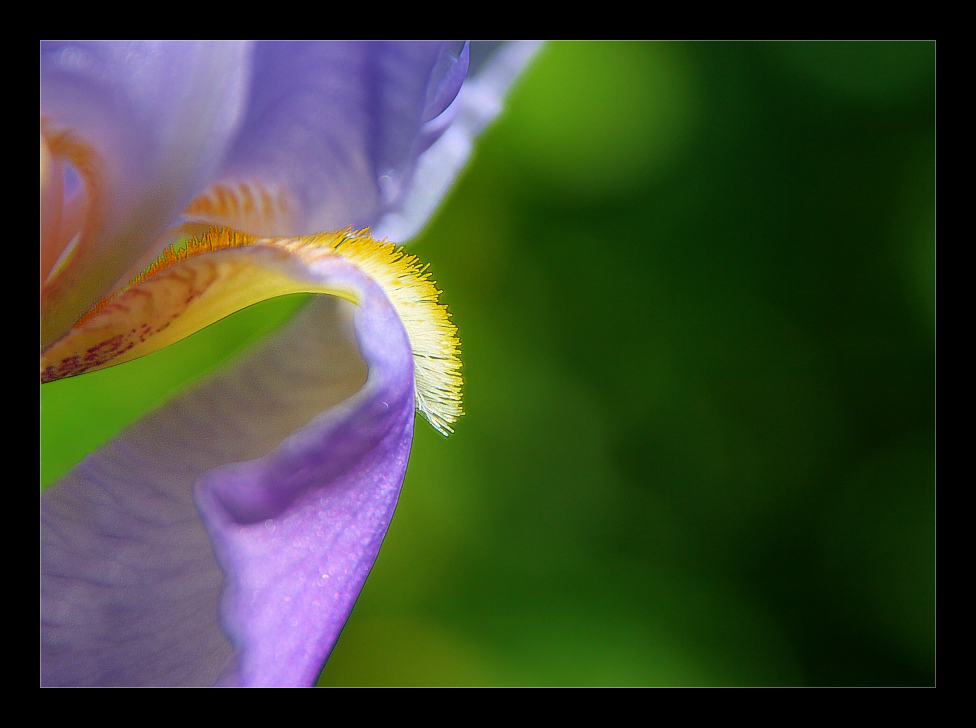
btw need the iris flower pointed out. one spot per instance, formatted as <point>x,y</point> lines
<point>224,538</point>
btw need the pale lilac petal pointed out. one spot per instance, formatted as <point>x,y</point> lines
<point>338,125</point>
<point>131,585</point>
<point>158,118</point>
<point>477,105</point>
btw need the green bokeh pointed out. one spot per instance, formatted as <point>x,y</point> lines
<point>695,290</point>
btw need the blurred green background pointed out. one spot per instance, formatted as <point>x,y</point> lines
<point>695,290</point>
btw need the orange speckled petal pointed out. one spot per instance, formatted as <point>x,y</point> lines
<point>226,270</point>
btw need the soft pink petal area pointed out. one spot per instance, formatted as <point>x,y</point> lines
<point>52,201</point>
<point>154,121</point>
<point>338,125</point>
<point>295,465</point>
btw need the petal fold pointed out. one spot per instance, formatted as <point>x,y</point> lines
<point>145,126</point>
<point>334,126</point>
<point>210,507</point>
<point>224,538</point>
<point>297,532</point>
<point>450,136</point>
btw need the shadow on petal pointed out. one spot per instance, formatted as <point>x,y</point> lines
<point>131,589</point>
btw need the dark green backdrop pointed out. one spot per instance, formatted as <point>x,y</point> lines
<point>695,285</point>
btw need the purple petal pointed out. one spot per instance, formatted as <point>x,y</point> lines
<point>131,583</point>
<point>455,129</point>
<point>338,124</point>
<point>224,538</point>
<point>158,117</point>
<point>446,80</point>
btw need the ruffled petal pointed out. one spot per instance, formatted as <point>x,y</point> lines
<point>450,136</point>
<point>331,134</point>
<point>131,583</point>
<point>297,532</point>
<point>224,539</point>
<point>145,125</point>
